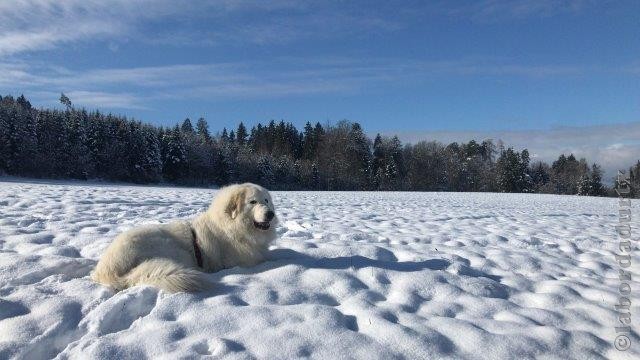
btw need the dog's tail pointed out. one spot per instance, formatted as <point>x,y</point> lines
<point>166,275</point>
<point>162,273</point>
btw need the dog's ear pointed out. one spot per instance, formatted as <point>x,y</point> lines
<point>236,201</point>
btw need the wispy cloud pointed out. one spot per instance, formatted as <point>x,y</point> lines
<point>28,25</point>
<point>614,146</point>
<point>31,25</point>
<point>287,76</point>
<point>506,10</point>
<point>633,69</point>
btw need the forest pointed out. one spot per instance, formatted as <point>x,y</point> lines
<point>72,143</point>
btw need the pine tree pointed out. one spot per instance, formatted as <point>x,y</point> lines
<point>280,145</point>
<point>77,160</point>
<point>283,174</point>
<point>511,169</point>
<point>202,129</point>
<point>454,167</point>
<point>220,170</point>
<point>257,140</point>
<point>51,146</point>
<point>358,157</point>
<point>144,157</point>
<point>297,175</point>
<point>24,138</point>
<point>153,159</point>
<point>377,162</point>
<point>266,172</point>
<point>9,139</point>
<point>64,100</point>
<point>539,175</point>
<point>270,136</point>
<point>5,135</point>
<point>584,186</point>
<point>187,127</point>
<point>23,102</point>
<point>397,169</point>
<point>309,147</point>
<point>241,135</point>
<point>175,162</point>
<point>318,134</point>
<point>315,177</point>
<point>488,151</point>
<point>566,173</point>
<point>525,183</point>
<point>597,189</point>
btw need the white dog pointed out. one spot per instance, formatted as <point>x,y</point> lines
<point>236,230</point>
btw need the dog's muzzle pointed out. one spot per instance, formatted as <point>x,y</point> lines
<point>265,225</point>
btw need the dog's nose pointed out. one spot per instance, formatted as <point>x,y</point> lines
<point>270,215</point>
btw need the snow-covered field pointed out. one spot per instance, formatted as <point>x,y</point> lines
<point>353,275</point>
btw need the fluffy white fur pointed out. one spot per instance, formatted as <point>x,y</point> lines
<point>236,230</point>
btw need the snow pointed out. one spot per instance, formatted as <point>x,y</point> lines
<point>353,275</point>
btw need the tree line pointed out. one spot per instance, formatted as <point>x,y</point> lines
<point>78,144</point>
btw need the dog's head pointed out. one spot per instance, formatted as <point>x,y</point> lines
<point>248,205</point>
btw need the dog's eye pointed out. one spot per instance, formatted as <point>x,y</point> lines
<point>266,201</point>
<point>252,202</point>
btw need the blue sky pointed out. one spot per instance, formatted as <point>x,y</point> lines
<point>420,68</point>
